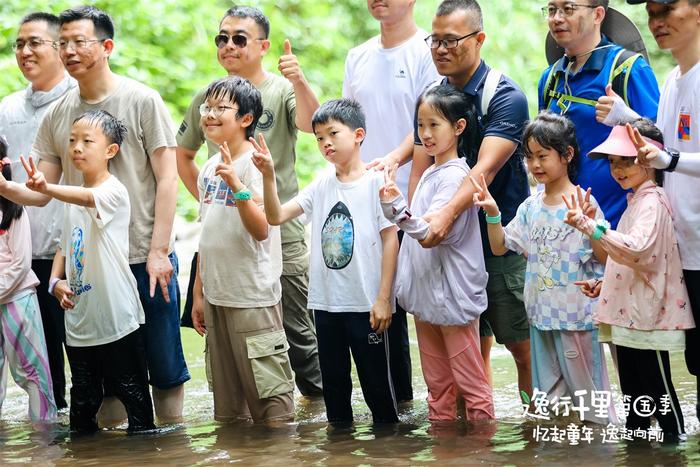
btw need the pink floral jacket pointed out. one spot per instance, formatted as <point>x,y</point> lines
<point>643,286</point>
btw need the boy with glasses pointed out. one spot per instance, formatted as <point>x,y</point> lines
<point>288,104</point>
<point>38,59</point>
<point>239,307</point>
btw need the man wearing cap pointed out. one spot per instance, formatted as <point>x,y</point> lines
<point>578,79</point>
<point>38,59</point>
<point>675,24</point>
<point>386,74</point>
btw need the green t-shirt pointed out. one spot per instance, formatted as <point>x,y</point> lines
<point>277,124</point>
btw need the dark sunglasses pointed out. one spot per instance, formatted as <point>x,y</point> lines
<point>239,40</point>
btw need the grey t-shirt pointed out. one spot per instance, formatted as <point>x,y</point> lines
<point>149,127</point>
<point>20,116</point>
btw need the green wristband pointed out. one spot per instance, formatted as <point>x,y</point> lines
<point>597,233</point>
<point>493,220</point>
<point>243,195</point>
<point>600,227</point>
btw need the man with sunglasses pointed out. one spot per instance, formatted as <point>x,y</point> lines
<point>37,57</point>
<point>288,104</point>
<point>146,166</point>
<point>581,78</point>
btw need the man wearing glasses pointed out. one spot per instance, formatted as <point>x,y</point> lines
<point>386,75</point>
<point>288,105</point>
<point>584,73</point>
<point>455,43</point>
<point>37,56</point>
<point>146,166</point>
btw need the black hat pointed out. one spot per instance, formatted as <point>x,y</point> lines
<point>663,2</point>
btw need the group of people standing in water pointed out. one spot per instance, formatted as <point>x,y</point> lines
<point>426,210</point>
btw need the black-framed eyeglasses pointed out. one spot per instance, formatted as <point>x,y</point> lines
<point>239,40</point>
<point>217,110</point>
<point>450,43</point>
<point>77,44</point>
<point>568,9</point>
<point>33,43</point>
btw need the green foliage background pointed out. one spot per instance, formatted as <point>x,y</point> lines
<point>168,45</point>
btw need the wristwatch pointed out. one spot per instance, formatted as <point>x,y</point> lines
<point>675,155</point>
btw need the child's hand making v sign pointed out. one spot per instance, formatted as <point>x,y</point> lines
<point>389,191</point>
<point>262,159</point>
<point>226,171</point>
<point>577,211</point>
<point>483,198</point>
<point>35,179</point>
<point>580,214</point>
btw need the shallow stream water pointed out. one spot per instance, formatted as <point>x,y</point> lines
<point>201,441</point>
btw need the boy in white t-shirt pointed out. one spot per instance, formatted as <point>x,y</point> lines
<point>237,291</point>
<point>94,283</point>
<point>353,262</point>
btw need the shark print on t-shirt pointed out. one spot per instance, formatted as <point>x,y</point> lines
<point>338,237</point>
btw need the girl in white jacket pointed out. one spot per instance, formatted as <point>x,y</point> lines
<point>443,287</point>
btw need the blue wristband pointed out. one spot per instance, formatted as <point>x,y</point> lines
<point>494,219</point>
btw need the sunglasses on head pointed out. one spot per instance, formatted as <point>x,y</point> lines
<point>239,40</point>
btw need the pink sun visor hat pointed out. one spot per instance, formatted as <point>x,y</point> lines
<point>618,143</point>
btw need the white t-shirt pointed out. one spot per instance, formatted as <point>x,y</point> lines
<point>95,242</point>
<point>387,83</point>
<point>346,245</point>
<point>237,270</point>
<point>679,121</point>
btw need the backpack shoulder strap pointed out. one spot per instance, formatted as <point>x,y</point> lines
<point>620,72</point>
<point>549,86</point>
<point>493,77</point>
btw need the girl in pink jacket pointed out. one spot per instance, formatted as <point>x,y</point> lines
<point>643,303</point>
<point>22,344</point>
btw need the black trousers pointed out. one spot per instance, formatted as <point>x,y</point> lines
<point>400,353</point>
<point>54,330</point>
<point>692,336</point>
<point>186,319</point>
<point>648,373</point>
<point>339,335</point>
<point>120,365</point>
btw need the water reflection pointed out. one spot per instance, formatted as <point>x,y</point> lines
<point>414,441</point>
